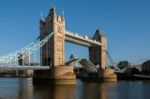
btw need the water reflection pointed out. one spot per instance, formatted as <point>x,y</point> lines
<point>54,92</point>
<point>79,91</point>
<point>14,88</point>
<point>90,91</point>
<point>25,89</point>
<point>93,90</point>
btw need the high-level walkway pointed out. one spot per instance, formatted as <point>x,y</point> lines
<point>77,39</point>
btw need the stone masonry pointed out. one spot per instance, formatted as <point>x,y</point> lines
<point>97,54</point>
<point>53,52</point>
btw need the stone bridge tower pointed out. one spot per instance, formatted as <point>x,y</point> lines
<point>52,53</point>
<point>98,54</point>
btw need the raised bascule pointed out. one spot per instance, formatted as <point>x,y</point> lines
<point>52,53</point>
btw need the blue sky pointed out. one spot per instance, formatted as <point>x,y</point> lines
<point>126,23</point>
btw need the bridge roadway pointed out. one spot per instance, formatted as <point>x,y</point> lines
<point>24,67</point>
<point>77,39</point>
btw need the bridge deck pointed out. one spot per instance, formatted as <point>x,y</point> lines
<point>24,67</point>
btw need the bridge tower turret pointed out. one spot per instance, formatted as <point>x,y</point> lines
<point>53,52</point>
<point>97,54</point>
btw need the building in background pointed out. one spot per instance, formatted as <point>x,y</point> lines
<point>146,67</point>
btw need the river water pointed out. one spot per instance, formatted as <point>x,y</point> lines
<point>22,88</point>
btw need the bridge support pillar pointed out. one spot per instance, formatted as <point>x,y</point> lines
<point>61,75</point>
<point>107,75</point>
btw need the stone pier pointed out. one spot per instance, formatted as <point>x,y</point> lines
<point>57,75</point>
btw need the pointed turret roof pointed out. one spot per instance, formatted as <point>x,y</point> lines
<point>52,10</point>
<point>97,35</point>
<point>72,57</point>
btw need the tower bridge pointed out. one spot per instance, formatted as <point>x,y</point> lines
<point>53,35</point>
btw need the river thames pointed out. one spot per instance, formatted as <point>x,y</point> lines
<point>22,88</point>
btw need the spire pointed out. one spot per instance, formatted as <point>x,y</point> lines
<point>97,35</point>
<point>72,57</point>
<point>62,13</point>
<point>52,10</point>
<point>62,17</point>
<point>52,7</point>
<point>42,18</point>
